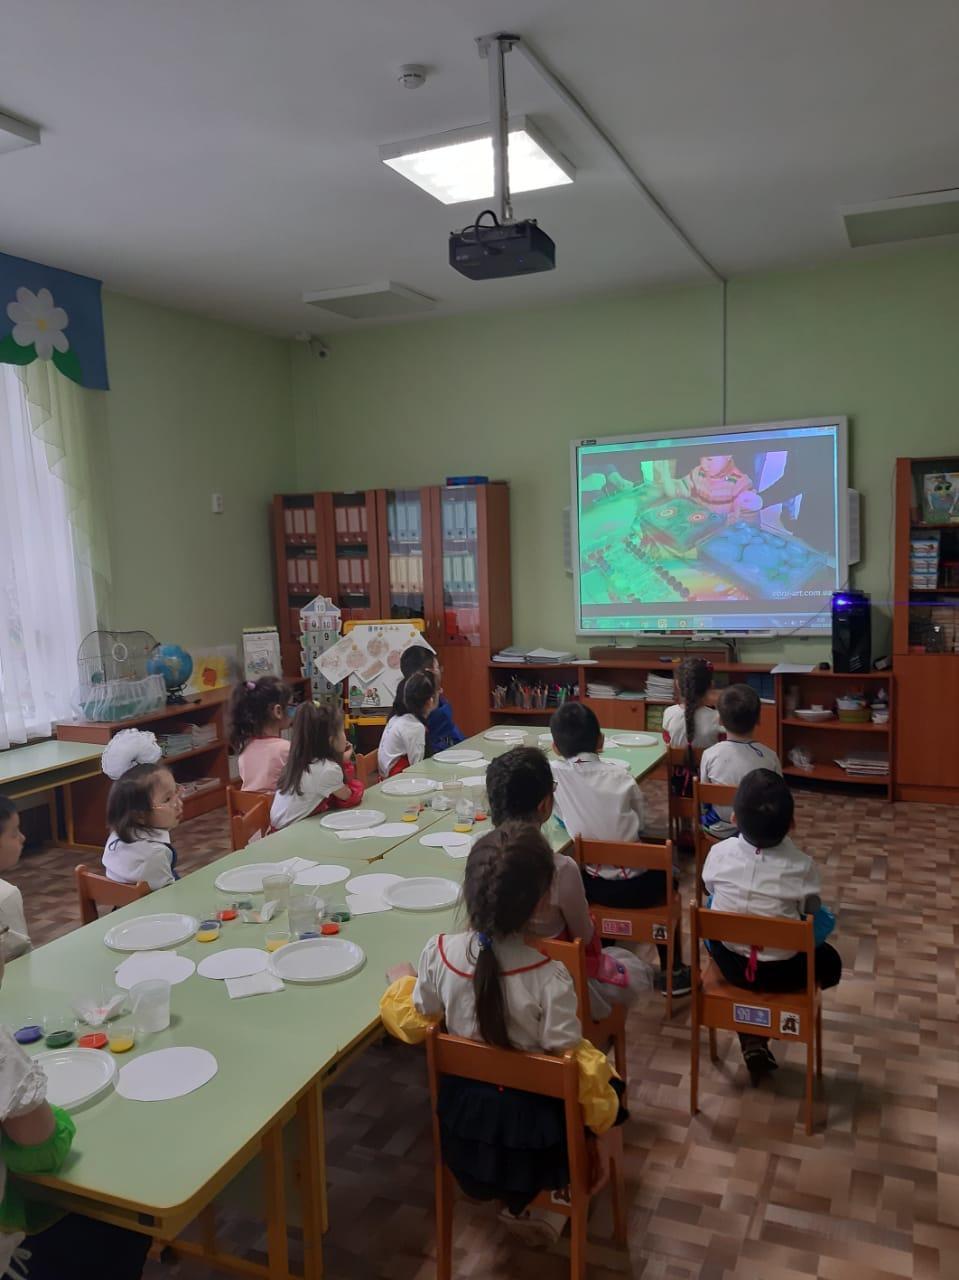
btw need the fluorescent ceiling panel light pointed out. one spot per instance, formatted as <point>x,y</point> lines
<point>915,217</point>
<point>371,301</point>
<point>457,166</point>
<point>15,134</point>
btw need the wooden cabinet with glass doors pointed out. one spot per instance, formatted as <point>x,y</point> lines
<point>440,553</point>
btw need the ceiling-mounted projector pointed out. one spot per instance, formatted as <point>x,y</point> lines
<point>500,248</point>
<point>492,251</point>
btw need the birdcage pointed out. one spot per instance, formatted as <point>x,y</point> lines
<point>114,683</point>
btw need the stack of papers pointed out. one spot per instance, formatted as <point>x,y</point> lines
<point>550,655</point>
<point>659,688</point>
<point>632,695</point>
<point>190,738</point>
<point>863,763</point>
<point>511,655</point>
<point>596,689</point>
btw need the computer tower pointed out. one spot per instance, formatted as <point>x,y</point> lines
<point>851,632</point>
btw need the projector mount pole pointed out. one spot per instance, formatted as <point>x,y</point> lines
<point>495,49</point>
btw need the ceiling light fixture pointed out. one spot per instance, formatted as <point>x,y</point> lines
<point>15,134</point>
<point>457,166</point>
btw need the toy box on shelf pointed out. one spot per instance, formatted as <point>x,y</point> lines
<point>320,625</point>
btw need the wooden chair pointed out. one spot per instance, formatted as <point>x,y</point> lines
<point>706,793</point>
<point>367,769</point>
<point>682,809</point>
<point>600,1032</point>
<point>252,823</point>
<point>95,890</point>
<point>717,1004</point>
<point>646,924</point>
<point>551,1078</point>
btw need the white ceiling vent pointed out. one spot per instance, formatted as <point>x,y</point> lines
<point>15,134</point>
<point>916,217</point>
<point>375,301</point>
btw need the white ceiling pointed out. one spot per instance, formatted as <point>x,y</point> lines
<point>221,155</point>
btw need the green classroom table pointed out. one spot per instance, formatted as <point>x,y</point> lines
<point>157,1167</point>
<point>49,766</point>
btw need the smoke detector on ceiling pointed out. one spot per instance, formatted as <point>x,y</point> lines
<point>412,76</point>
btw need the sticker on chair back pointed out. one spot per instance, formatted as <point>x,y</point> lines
<point>752,1015</point>
<point>562,1196</point>
<point>660,933</point>
<point>616,929</point>
<point>789,1024</point>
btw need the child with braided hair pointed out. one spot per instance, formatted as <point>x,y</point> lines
<point>487,984</point>
<point>691,722</point>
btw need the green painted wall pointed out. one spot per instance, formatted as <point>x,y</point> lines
<point>503,395</point>
<point>194,407</point>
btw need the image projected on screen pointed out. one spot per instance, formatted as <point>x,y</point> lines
<point>729,530</point>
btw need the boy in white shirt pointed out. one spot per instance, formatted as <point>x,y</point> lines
<point>761,872</point>
<point>404,739</point>
<point>728,762</point>
<point>600,801</point>
<point>14,940</point>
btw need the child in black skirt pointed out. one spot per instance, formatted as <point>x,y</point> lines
<point>487,984</point>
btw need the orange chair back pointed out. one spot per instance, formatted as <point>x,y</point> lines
<point>95,890</point>
<point>718,1005</point>
<point>252,824</point>
<point>239,802</point>
<point>681,808</point>
<point>647,924</point>
<point>367,769</point>
<point>706,793</point>
<point>549,1077</point>
<point>598,1031</point>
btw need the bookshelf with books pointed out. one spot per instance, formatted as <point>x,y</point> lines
<point>926,628</point>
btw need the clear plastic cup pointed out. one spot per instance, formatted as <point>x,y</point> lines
<point>150,1004</point>
<point>303,914</point>
<point>276,888</point>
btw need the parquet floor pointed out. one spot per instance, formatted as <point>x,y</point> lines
<point>739,1192</point>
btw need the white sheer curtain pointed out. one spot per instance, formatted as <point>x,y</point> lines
<point>46,587</point>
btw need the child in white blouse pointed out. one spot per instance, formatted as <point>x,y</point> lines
<point>319,772</point>
<point>761,872</point>
<point>143,807</point>
<point>15,940</point>
<point>728,762</point>
<point>489,985</point>
<point>520,785</point>
<point>600,801</point>
<point>404,739</point>
<point>691,720</point>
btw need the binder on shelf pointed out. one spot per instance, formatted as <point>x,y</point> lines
<point>310,522</point>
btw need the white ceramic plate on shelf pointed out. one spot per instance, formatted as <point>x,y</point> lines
<point>505,734</point>
<point>422,893</point>
<point>317,960</point>
<point>401,786</point>
<point>633,740</point>
<point>814,717</point>
<point>151,933</point>
<point>77,1076</point>
<point>458,755</point>
<point>352,819</point>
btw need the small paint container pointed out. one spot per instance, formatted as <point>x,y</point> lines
<point>337,914</point>
<point>121,1038</point>
<point>226,911</point>
<point>310,933</point>
<point>411,813</point>
<point>93,1040</point>
<point>209,930</point>
<point>59,1030</point>
<point>329,929</point>
<point>277,938</point>
<point>29,1034</point>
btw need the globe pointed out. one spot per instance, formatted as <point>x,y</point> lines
<point>172,663</point>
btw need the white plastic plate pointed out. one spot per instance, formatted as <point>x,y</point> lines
<point>505,734</point>
<point>422,893</point>
<point>248,878</point>
<point>458,755</point>
<point>77,1076</point>
<point>317,960</point>
<point>352,819</point>
<point>402,786</point>
<point>633,740</point>
<point>151,933</point>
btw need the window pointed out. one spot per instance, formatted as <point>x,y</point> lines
<point>46,594</point>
